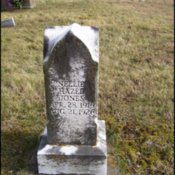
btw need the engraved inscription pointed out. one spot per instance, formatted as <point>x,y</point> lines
<point>70,99</point>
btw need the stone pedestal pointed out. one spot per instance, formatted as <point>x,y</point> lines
<point>75,140</point>
<point>74,159</point>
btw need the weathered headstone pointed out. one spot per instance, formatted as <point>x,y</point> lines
<point>74,141</point>
<point>29,3</point>
<point>11,4</point>
<point>10,22</point>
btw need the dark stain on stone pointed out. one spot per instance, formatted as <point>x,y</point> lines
<point>95,28</point>
<point>46,44</point>
<point>91,134</point>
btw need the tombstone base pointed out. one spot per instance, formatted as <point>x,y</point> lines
<point>74,159</point>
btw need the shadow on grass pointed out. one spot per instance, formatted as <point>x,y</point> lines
<point>18,150</point>
<point>19,153</point>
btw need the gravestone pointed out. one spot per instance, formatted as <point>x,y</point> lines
<point>10,4</point>
<point>10,22</point>
<point>3,4</point>
<point>74,140</point>
<point>29,3</point>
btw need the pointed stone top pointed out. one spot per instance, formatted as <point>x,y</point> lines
<point>87,34</point>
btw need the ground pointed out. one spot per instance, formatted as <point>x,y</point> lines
<point>135,83</point>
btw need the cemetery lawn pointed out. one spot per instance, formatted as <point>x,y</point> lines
<point>135,84</point>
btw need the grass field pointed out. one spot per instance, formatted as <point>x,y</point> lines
<point>135,86</point>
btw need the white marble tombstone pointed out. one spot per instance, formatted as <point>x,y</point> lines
<point>74,141</point>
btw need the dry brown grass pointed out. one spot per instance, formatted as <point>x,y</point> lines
<point>135,87</point>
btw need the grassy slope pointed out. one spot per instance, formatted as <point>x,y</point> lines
<point>135,87</point>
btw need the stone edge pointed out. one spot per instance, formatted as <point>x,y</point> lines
<point>100,149</point>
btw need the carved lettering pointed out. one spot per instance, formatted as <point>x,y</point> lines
<point>70,99</point>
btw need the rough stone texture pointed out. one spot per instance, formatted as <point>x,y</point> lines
<point>74,141</point>
<point>71,159</point>
<point>8,22</point>
<point>71,67</point>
